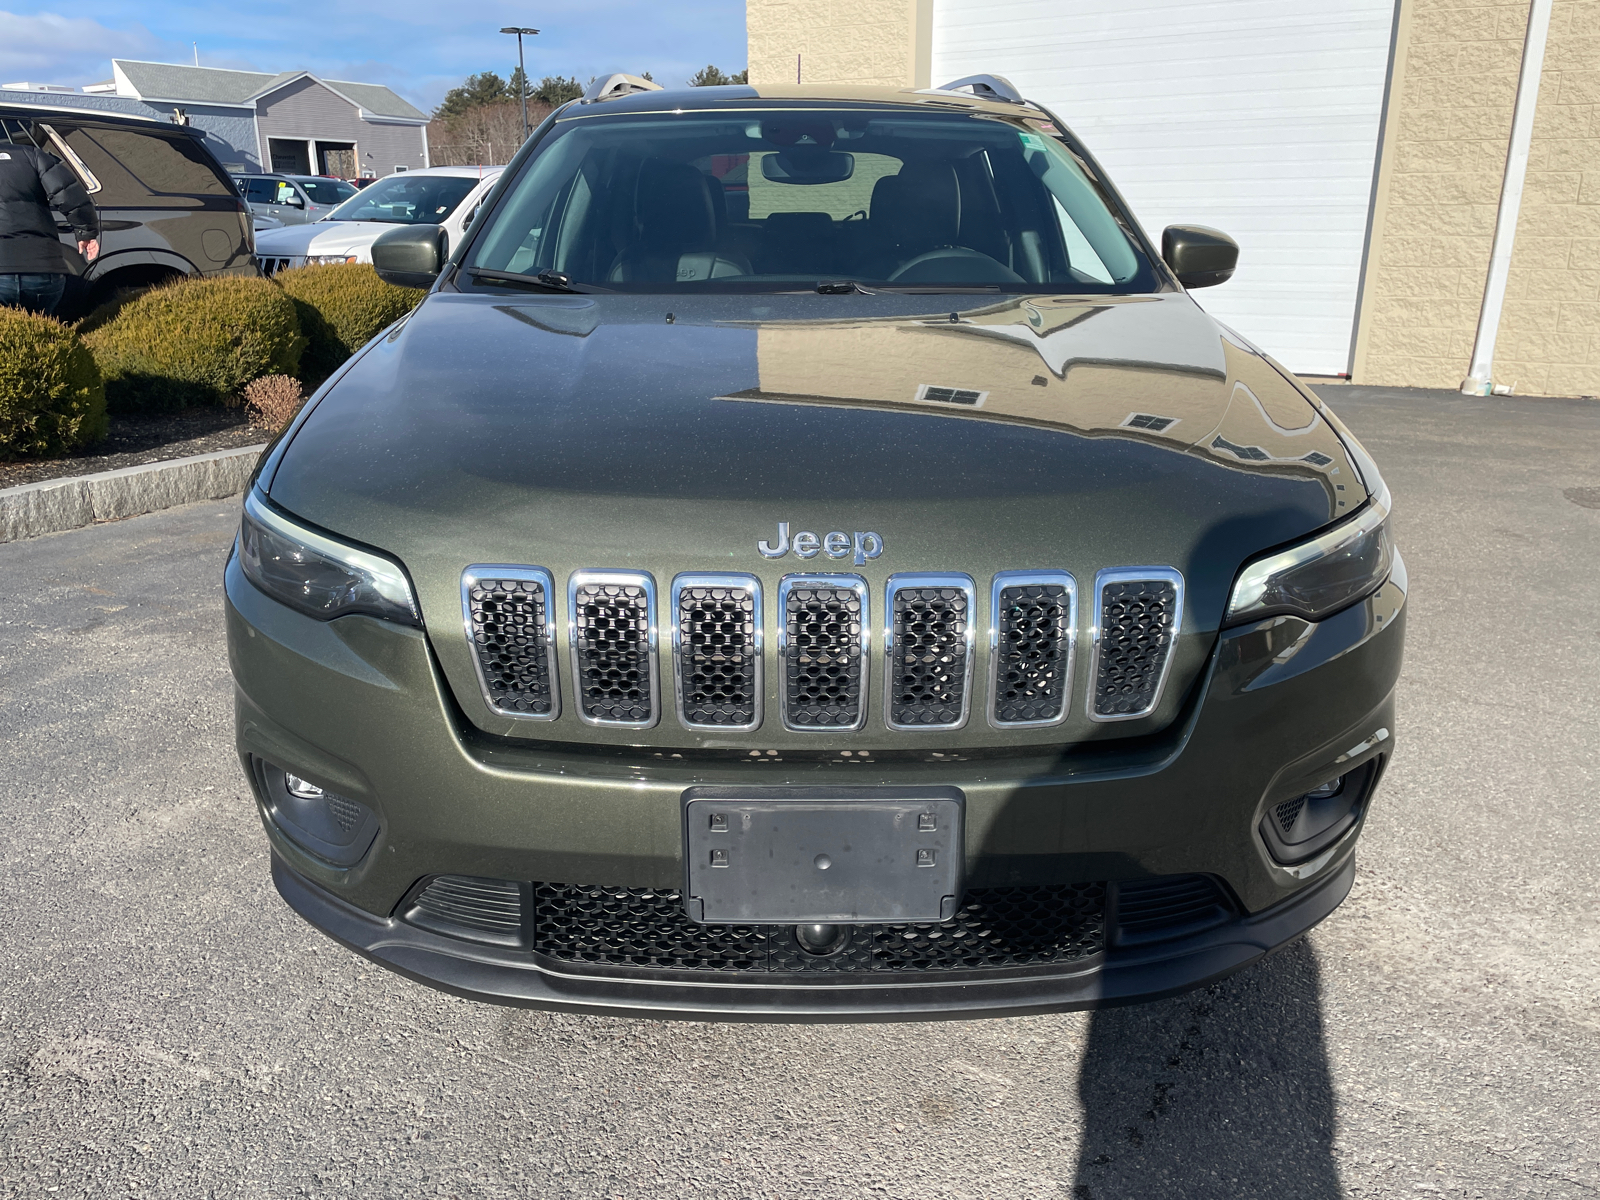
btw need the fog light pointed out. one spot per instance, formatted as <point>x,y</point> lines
<point>1303,826</point>
<point>300,789</point>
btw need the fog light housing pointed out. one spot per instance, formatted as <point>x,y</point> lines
<point>1301,827</point>
<point>334,828</point>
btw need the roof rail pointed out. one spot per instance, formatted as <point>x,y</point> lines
<point>612,86</point>
<point>986,87</point>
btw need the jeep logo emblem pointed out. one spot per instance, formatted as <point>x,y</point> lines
<point>835,545</point>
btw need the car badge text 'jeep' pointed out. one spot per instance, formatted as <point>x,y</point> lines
<point>835,545</point>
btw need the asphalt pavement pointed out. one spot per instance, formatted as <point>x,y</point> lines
<point>169,1028</point>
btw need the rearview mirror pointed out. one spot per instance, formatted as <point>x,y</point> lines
<point>808,164</point>
<point>411,256</point>
<point>1199,256</point>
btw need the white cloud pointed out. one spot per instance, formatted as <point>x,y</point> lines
<point>52,48</point>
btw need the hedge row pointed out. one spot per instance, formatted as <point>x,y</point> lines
<point>193,342</point>
<point>52,399</point>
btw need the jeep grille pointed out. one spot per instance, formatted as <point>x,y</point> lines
<point>929,650</point>
<point>717,639</point>
<point>824,651</point>
<point>1137,616</point>
<point>1034,619</point>
<point>613,647</point>
<point>508,620</point>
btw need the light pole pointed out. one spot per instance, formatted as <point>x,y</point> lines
<point>522,71</point>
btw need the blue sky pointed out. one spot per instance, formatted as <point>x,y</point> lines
<point>418,47</point>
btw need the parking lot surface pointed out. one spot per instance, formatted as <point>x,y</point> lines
<point>169,1028</point>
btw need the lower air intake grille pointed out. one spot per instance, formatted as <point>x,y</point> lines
<point>1033,653</point>
<point>928,667</point>
<point>480,910</point>
<point>1138,619</point>
<point>822,660</point>
<point>717,657</point>
<point>995,928</point>
<point>1167,907</point>
<point>612,651</point>
<point>510,621</point>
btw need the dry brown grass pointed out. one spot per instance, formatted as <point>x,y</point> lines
<point>272,401</point>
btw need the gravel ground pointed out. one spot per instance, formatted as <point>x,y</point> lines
<point>136,440</point>
<point>169,1028</point>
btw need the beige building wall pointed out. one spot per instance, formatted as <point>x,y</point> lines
<point>886,43</point>
<point>1451,101</point>
<point>1549,339</point>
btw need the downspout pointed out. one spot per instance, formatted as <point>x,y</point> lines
<point>1480,377</point>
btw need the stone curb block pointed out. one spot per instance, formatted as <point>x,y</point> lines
<point>58,504</point>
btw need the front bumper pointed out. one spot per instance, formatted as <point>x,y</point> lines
<point>358,707</point>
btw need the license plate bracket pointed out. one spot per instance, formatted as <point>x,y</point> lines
<point>793,856</point>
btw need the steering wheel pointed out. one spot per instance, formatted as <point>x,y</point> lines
<point>954,264</point>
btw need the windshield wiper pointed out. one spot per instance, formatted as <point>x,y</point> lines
<point>845,287</point>
<point>550,281</point>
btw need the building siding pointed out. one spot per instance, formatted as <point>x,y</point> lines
<point>305,110</point>
<point>872,42</point>
<point>1549,340</point>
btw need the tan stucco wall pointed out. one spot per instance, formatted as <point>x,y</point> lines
<point>1450,106</point>
<point>881,42</point>
<point>1549,340</point>
<point>1451,102</point>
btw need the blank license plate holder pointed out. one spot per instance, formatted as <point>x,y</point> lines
<point>795,856</point>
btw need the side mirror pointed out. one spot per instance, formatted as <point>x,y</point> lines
<point>1199,257</point>
<point>411,256</point>
<point>295,201</point>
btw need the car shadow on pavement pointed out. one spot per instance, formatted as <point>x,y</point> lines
<point>1224,1092</point>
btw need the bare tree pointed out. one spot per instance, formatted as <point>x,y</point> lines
<point>486,134</point>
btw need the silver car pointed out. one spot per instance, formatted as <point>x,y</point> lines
<point>294,199</point>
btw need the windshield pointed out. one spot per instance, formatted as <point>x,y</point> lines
<point>407,199</point>
<point>764,200</point>
<point>327,191</point>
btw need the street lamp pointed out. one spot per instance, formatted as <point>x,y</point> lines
<point>522,71</point>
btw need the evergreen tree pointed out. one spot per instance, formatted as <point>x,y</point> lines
<point>714,76</point>
<point>477,90</point>
<point>554,90</point>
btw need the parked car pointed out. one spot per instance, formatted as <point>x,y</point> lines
<point>167,207</point>
<point>809,557</point>
<point>293,199</point>
<point>444,196</point>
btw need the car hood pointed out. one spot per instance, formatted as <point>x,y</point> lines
<point>321,237</point>
<point>672,434</point>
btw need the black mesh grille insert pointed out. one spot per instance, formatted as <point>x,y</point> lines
<point>822,665</point>
<point>1167,907</point>
<point>613,651</point>
<point>1035,641</point>
<point>483,910</point>
<point>1136,623</point>
<point>995,928</point>
<point>717,659</point>
<point>928,671</point>
<point>1289,811</point>
<point>509,633</point>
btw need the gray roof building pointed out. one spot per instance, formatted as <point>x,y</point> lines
<point>293,121</point>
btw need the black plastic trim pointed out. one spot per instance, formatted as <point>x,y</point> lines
<point>1123,977</point>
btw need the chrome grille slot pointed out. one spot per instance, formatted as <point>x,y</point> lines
<point>612,628</point>
<point>508,621</point>
<point>823,647</point>
<point>1033,624</point>
<point>928,651</point>
<point>1138,611</point>
<point>716,637</point>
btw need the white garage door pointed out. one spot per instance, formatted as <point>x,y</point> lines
<point>1258,117</point>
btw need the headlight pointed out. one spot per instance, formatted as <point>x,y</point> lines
<point>317,575</point>
<point>1319,577</point>
<point>323,260</point>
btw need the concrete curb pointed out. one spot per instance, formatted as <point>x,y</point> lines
<point>59,504</point>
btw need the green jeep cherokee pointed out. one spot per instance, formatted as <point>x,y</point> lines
<point>809,558</point>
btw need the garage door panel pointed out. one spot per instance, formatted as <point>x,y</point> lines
<point>1258,117</point>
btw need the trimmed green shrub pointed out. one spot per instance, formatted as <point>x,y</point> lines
<point>342,307</point>
<point>196,341</point>
<point>52,399</point>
